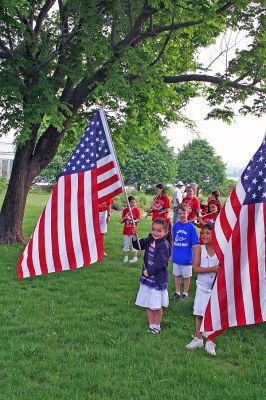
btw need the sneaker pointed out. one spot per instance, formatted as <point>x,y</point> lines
<point>134,260</point>
<point>125,259</point>
<point>195,343</point>
<point>105,254</point>
<point>176,296</point>
<point>184,297</point>
<point>153,331</point>
<point>210,347</point>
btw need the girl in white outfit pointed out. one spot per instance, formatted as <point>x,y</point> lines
<point>206,265</point>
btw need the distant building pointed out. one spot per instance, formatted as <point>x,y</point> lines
<point>234,172</point>
<point>7,154</point>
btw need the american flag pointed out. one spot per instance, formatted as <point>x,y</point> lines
<point>239,294</point>
<point>67,235</point>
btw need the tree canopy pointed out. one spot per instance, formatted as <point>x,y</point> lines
<point>60,59</point>
<point>197,162</point>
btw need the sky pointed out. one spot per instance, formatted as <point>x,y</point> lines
<point>235,143</point>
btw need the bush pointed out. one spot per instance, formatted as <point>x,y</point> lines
<point>144,201</point>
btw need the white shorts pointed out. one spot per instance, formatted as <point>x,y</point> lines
<point>182,270</point>
<point>127,242</point>
<point>103,223</point>
<point>201,301</point>
<point>148,297</point>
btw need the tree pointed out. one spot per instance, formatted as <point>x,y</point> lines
<point>60,59</point>
<point>146,168</point>
<point>197,162</point>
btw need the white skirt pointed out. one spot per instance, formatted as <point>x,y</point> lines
<point>151,298</point>
<point>201,301</point>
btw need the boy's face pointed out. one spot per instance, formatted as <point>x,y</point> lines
<point>206,236</point>
<point>182,216</point>
<point>158,231</point>
<point>133,203</point>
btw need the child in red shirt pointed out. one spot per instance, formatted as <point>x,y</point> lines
<point>127,231</point>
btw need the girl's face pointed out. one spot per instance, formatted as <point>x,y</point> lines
<point>207,236</point>
<point>190,192</point>
<point>158,190</point>
<point>158,231</point>
<point>133,203</point>
<point>213,208</point>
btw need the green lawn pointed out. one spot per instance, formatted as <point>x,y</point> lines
<point>78,335</point>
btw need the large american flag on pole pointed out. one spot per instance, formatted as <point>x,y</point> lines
<point>239,294</point>
<point>67,235</point>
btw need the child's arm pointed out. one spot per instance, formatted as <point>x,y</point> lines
<point>162,260</point>
<point>196,263</point>
<point>142,242</point>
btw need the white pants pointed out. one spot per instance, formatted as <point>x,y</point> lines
<point>103,223</point>
<point>127,241</point>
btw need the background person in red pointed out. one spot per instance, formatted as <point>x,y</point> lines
<point>161,204</point>
<point>214,207</point>
<point>104,209</point>
<point>192,203</point>
<point>127,231</point>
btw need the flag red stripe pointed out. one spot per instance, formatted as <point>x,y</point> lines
<point>107,182</point>
<point>68,225</point>
<point>41,243</point>
<point>235,202</point>
<point>104,168</point>
<point>253,264</point>
<point>226,228</point>
<point>208,318</point>
<point>239,304</point>
<point>82,221</point>
<point>54,230</point>
<point>30,261</point>
<point>110,195</point>
<point>20,272</point>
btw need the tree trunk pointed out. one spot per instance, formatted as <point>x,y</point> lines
<point>11,215</point>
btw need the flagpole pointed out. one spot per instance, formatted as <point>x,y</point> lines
<point>119,171</point>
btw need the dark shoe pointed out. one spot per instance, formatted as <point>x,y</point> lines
<point>176,296</point>
<point>184,297</point>
<point>154,331</point>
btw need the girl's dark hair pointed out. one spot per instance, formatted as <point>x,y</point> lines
<point>161,221</point>
<point>161,186</point>
<point>209,226</point>
<point>130,198</point>
<point>216,194</point>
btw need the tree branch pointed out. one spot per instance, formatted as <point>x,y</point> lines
<point>42,15</point>
<point>130,14</point>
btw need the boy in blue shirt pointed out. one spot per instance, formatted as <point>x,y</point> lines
<point>185,239</point>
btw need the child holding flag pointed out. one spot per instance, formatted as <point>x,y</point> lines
<point>128,225</point>
<point>206,265</point>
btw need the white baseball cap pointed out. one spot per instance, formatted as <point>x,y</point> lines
<point>179,183</point>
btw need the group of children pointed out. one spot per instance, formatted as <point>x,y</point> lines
<point>185,251</point>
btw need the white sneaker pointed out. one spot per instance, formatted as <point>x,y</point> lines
<point>196,343</point>
<point>125,259</point>
<point>105,254</point>
<point>134,260</point>
<point>210,347</point>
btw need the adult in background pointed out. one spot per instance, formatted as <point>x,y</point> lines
<point>177,198</point>
<point>104,210</point>
<point>191,202</point>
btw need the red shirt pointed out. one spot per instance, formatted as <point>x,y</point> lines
<point>104,205</point>
<point>127,222</point>
<point>193,204</point>
<point>206,219</point>
<point>164,201</point>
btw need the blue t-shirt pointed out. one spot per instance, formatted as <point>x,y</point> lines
<point>184,237</point>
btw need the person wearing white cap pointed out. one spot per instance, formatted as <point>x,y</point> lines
<point>177,198</point>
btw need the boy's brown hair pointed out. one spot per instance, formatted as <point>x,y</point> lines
<point>182,207</point>
<point>130,198</point>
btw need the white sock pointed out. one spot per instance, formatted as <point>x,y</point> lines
<point>157,327</point>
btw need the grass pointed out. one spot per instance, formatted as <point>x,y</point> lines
<point>78,335</point>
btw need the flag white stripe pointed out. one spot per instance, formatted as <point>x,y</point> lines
<point>35,250</point>
<point>260,234</point>
<point>24,265</point>
<point>61,224</point>
<point>89,217</point>
<point>104,160</point>
<point>245,276</point>
<point>231,217</point>
<point>48,237</point>
<point>229,278</point>
<point>106,175</point>
<point>75,221</point>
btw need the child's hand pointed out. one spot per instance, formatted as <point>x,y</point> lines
<point>134,230</point>
<point>218,266</point>
<point>145,273</point>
